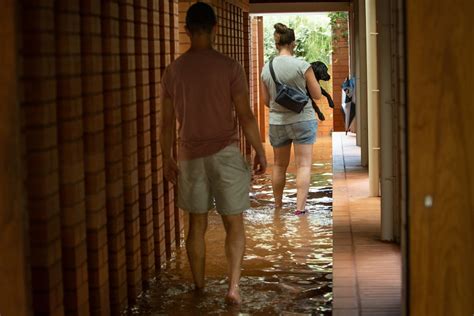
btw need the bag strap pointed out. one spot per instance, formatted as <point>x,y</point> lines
<point>273,74</point>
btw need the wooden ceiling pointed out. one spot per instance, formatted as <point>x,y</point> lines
<point>282,6</point>
<point>299,1</point>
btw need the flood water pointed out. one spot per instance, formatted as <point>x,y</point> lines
<point>287,268</point>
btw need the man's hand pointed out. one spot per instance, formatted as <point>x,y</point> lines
<point>259,164</point>
<point>170,170</point>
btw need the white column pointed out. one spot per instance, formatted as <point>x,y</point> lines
<point>387,124</point>
<point>372,98</point>
<point>361,82</point>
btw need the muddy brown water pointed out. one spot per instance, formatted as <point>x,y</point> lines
<point>287,268</point>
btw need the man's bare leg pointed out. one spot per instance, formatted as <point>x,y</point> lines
<point>281,159</point>
<point>196,247</point>
<point>234,250</point>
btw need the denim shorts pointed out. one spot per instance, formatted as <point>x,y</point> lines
<point>299,133</point>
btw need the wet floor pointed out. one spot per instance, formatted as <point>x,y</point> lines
<point>287,268</point>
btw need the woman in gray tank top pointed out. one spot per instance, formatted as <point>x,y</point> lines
<point>286,126</point>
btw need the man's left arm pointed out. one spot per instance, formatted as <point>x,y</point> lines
<point>241,100</point>
<point>250,129</point>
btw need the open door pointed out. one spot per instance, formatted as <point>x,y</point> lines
<point>441,157</point>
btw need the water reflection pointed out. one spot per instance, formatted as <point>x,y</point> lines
<point>287,267</point>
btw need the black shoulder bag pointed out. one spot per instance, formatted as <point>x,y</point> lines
<point>289,97</point>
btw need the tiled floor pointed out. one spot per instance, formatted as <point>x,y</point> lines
<point>367,271</point>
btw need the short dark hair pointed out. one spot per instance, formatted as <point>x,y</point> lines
<point>200,18</point>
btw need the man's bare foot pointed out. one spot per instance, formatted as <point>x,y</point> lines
<point>199,290</point>
<point>278,204</point>
<point>233,296</point>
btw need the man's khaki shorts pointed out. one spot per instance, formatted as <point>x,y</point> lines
<point>221,180</point>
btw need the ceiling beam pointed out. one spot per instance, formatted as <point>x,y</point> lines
<point>297,7</point>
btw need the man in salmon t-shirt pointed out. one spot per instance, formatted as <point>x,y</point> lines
<point>205,91</point>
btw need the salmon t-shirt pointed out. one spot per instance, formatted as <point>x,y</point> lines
<point>202,85</point>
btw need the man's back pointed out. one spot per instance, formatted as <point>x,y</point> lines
<point>202,84</point>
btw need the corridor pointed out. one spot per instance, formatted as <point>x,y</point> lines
<point>367,271</point>
<point>89,225</point>
<point>287,266</point>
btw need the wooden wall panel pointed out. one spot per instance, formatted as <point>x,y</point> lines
<point>15,296</point>
<point>440,158</point>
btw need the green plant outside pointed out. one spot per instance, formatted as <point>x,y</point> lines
<point>338,20</point>
<point>313,36</point>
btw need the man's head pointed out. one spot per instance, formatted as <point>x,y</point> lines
<point>200,18</point>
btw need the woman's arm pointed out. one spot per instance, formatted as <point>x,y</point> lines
<point>312,84</point>
<point>265,94</point>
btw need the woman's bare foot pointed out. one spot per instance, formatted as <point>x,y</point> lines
<point>233,296</point>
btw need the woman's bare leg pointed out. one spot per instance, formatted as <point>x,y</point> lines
<point>303,158</point>
<point>281,159</point>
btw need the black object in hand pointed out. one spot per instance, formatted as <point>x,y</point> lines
<point>321,73</point>
<point>318,111</point>
<point>328,96</point>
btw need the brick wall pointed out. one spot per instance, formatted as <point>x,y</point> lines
<point>71,155</point>
<point>340,70</point>
<point>94,156</point>
<point>154,66</point>
<point>113,155</point>
<point>256,48</point>
<point>14,296</point>
<point>167,49</point>
<point>101,218</point>
<point>40,132</point>
<point>147,246</point>
<point>128,106</point>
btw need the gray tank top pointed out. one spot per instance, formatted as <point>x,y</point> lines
<point>289,70</point>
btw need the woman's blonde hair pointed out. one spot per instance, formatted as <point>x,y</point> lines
<point>283,34</point>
